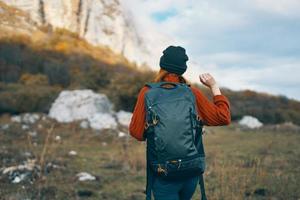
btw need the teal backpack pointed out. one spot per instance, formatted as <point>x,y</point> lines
<point>174,134</point>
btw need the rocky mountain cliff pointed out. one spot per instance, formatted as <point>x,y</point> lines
<point>100,22</point>
<point>13,20</point>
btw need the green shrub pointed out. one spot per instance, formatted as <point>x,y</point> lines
<point>18,98</point>
<point>97,77</point>
<point>11,52</point>
<point>9,73</point>
<point>58,73</point>
<point>124,88</point>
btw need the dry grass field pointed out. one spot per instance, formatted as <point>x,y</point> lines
<point>241,164</point>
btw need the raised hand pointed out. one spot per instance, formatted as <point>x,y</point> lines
<point>209,81</point>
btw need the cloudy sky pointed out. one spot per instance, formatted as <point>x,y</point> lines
<point>250,44</point>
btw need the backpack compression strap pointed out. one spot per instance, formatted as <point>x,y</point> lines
<point>149,177</point>
<point>149,182</point>
<point>202,188</point>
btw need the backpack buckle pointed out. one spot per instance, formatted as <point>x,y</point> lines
<point>155,121</point>
<point>161,170</point>
<point>152,117</point>
<point>146,125</point>
<point>179,163</point>
<point>175,162</point>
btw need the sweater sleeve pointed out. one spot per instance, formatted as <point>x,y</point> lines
<point>214,113</point>
<point>137,123</point>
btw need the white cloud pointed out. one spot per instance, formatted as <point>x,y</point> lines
<point>275,77</point>
<point>288,8</point>
<point>246,44</point>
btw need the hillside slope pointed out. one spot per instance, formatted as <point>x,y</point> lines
<point>36,63</point>
<point>104,23</point>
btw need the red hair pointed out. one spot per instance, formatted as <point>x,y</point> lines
<point>163,73</point>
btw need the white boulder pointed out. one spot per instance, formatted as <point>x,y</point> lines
<point>30,118</point>
<point>57,138</point>
<point>79,105</point>
<point>95,110</point>
<point>84,124</point>
<point>25,127</point>
<point>27,118</point>
<point>122,134</point>
<point>101,121</point>
<point>250,122</point>
<point>124,117</point>
<point>73,153</point>
<point>16,119</point>
<point>5,126</point>
<point>84,176</point>
<point>19,178</point>
<point>29,165</point>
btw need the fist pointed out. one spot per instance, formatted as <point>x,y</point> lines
<point>207,80</point>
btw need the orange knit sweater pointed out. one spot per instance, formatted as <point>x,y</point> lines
<point>214,113</point>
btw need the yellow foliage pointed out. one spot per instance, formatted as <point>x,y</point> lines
<point>62,46</point>
<point>34,79</point>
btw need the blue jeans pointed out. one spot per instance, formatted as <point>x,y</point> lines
<point>174,190</point>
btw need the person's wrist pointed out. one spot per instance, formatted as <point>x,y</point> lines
<point>215,90</point>
<point>214,86</point>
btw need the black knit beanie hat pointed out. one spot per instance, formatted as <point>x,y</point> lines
<point>174,60</point>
